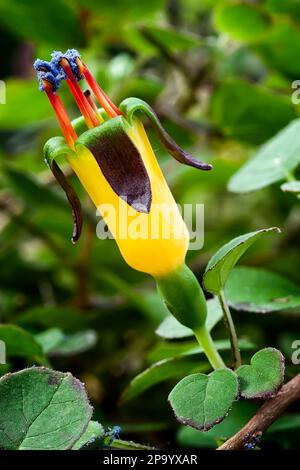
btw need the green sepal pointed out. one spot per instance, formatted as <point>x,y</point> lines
<point>53,149</point>
<point>183,296</point>
<point>79,124</point>
<point>131,105</point>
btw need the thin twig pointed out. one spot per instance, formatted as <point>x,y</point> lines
<point>266,415</point>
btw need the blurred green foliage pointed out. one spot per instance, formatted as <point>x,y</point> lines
<point>219,75</point>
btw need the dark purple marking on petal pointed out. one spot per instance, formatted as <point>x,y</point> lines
<point>120,163</point>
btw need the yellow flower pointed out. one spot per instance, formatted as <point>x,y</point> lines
<point>115,162</point>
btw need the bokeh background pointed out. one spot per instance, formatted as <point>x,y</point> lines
<point>219,75</point>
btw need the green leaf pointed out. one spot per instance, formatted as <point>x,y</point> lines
<point>168,349</point>
<point>222,262</point>
<point>55,343</point>
<point>264,376</point>
<point>55,22</point>
<point>280,46</point>
<point>174,363</point>
<point>285,423</point>
<point>75,344</point>
<point>275,291</point>
<point>170,38</point>
<point>170,328</point>
<point>94,434</point>
<point>273,161</point>
<point>42,409</point>
<point>256,116</point>
<point>159,372</point>
<point>291,187</point>
<point>129,9</point>
<point>237,417</point>
<point>49,339</point>
<point>289,7</point>
<point>19,342</point>
<point>201,401</point>
<point>25,105</point>
<point>241,21</point>
<point>66,318</point>
<point>33,191</point>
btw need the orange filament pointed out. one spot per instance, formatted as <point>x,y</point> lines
<point>63,119</point>
<point>81,100</point>
<point>103,99</point>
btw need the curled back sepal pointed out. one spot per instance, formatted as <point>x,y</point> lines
<point>183,296</point>
<point>131,105</point>
<point>53,149</point>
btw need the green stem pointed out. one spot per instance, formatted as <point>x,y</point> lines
<point>128,445</point>
<point>231,330</point>
<point>205,340</point>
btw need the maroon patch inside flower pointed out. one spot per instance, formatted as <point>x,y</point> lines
<point>120,163</point>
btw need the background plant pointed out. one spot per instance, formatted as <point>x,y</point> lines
<point>219,75</point>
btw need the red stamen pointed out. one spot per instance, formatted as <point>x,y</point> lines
<point>103,99</point>
<point>63,119</point>
<point>82,102</point>
<point>89,97</point>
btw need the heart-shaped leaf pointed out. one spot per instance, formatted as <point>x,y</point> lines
<point>279,155</point>
<point>275,291</point>
<point>201,401</point>
<point>170,328</point>
<point>220,265</point>
<point>264,376</point>
<point>42,409</point>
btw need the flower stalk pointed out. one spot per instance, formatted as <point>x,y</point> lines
<point>237,361</point>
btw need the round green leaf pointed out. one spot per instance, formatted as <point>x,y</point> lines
<point>221,264</point>
<point>42,409</point>
<point>271,163</point>
<point>241,21</point>
<point>264,376</point>
<point>94,433</point>
<point>170,328</point>
<point>201,401</point>
<point>275,291</point>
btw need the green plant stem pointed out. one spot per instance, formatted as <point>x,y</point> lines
<point>205,340</point>
<point>231,330</point>
<point>128,445</point>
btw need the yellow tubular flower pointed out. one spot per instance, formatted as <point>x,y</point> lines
<point>162,243</point>
<point>110,153</point>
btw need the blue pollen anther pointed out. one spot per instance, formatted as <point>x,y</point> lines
<point>46,71</point>
<point>71,55</point>
<point>49,77</point>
